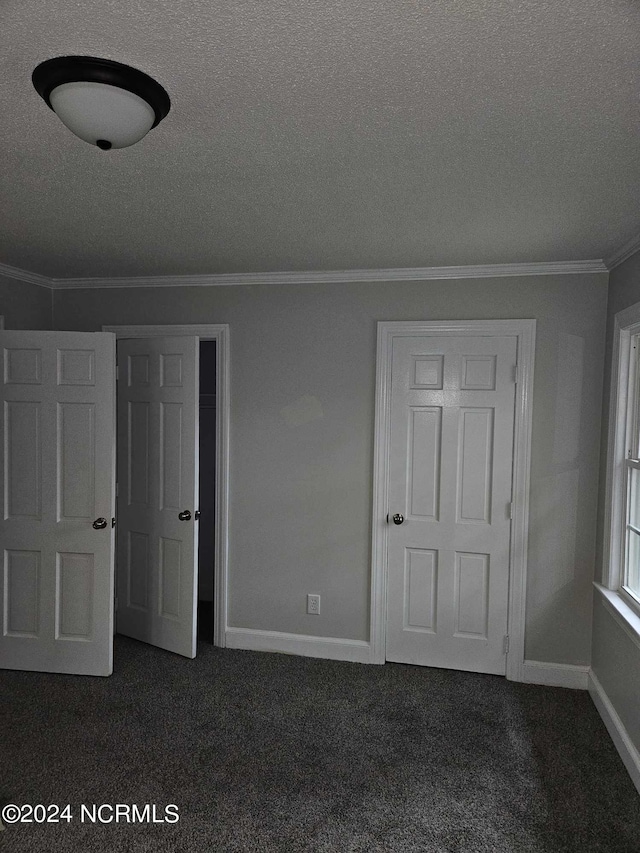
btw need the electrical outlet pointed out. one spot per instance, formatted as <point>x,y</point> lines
<point>313,604</point>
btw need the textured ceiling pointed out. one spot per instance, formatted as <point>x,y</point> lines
<point>320,134</point>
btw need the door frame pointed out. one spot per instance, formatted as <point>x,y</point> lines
<point>524,331</point>
<point>220,334</point>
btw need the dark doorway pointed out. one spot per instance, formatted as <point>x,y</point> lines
<point>206,540</point>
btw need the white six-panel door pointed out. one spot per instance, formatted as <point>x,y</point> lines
<point>57,470</point>
<point>157,581</point>
<point>451,446</point>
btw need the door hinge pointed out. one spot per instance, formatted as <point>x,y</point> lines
<point>117,372</point>
<point>505,645</point>
<point>510,511</point>
<point>515,373</point>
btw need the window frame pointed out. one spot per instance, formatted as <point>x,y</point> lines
<point>631,462</point>
<point>624,422</point>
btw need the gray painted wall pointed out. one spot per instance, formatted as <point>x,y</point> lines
<point>615,658</point>
<point>616,663</point>
<point>25,305</point>
<point>301,496</point>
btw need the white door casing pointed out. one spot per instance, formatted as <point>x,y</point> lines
<point>58,476</point>
<point>452,411</point>
<point>390,334</point>
<point>157,569</point>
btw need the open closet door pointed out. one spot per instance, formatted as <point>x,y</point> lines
<point>157,565</point>
<point>57,470</point>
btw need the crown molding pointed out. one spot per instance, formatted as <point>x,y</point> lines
<point>623,252</point>
<point>315,276</point>
<point>338,276</point>
<point>25,275</point>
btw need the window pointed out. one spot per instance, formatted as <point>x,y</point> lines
<point>621,570</point>
<point>630,567</point>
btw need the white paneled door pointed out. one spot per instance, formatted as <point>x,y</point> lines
<point>451,447</point>
<point>58,501</point>
<point>157,575</point>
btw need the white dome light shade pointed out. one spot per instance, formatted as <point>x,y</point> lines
<point>102,115</point>
<point>103,102</point>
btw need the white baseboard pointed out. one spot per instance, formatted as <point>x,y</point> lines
<point>623,743</point>
<point>332,648</point>
<point>555,674</point>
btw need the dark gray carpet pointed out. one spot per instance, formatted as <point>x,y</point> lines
<point>273,753</point>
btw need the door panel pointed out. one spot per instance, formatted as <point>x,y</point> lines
<point>158,479</point>
<point>75,581</point>
<point>76,451</point>
<point>23,456</point>
<point>23,593</point>
<point>472,595</point>
<point>475,474</point>
<point>423,481</point>
<point>420,589</point>
<point>58,475</point>
<point>452,418</point>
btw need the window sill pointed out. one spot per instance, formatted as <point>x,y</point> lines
<point>624,615</point>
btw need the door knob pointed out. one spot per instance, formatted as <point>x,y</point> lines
<point>185,515</point>
<point>398,518</point>
<point>100,523</point>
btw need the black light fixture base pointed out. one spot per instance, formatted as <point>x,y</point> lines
<point>72,69</point>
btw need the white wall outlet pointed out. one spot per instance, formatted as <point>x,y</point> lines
<point>313,604</point>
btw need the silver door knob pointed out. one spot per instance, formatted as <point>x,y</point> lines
<point>100,523</point>
<point>185,515</point>
<point>398,518</point>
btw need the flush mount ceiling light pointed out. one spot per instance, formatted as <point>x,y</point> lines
<point>103,102</point>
